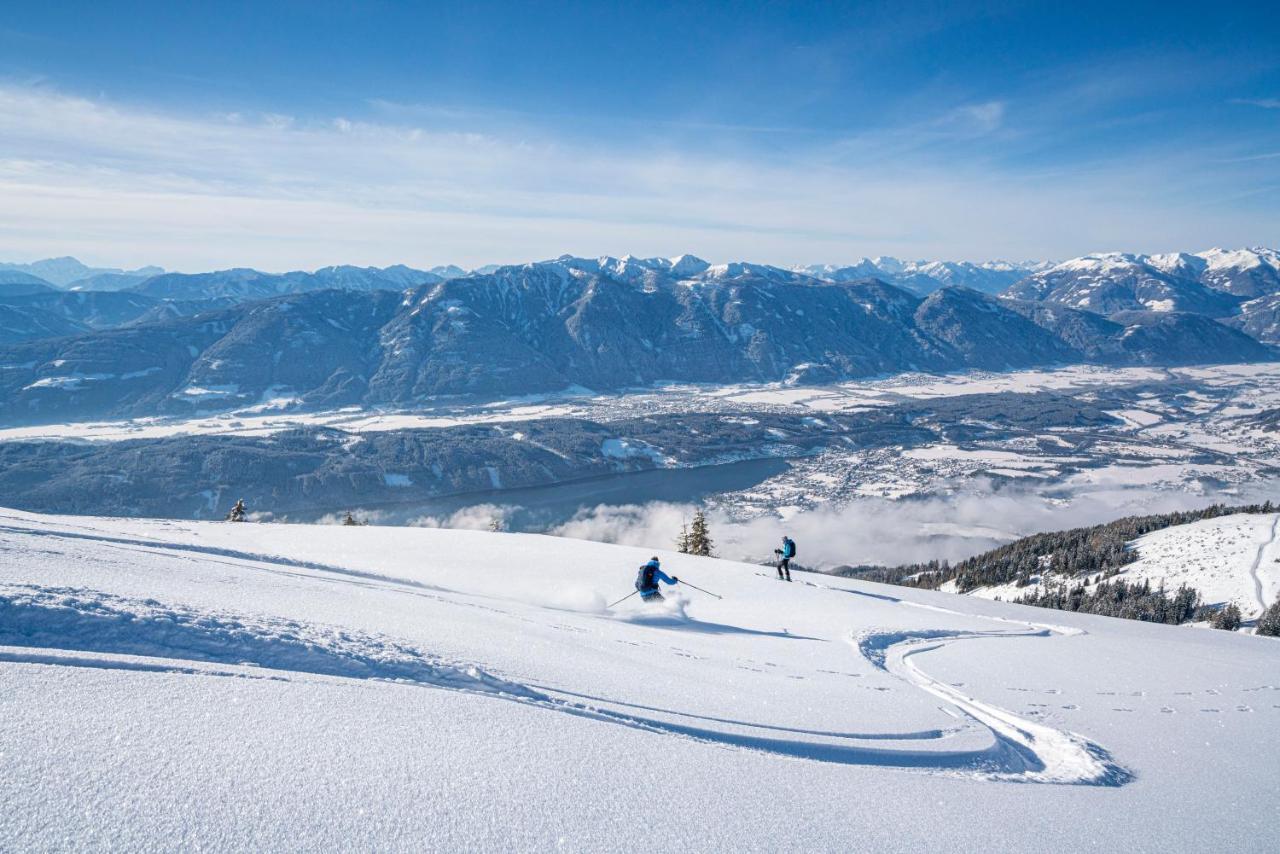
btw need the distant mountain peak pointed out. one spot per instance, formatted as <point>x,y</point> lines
<point>65,270</point>
<point>688,265</point>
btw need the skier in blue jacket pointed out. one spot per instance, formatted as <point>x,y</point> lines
<point>785,554</point>
<point>647,581</point>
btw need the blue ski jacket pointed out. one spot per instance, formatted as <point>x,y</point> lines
<point>657,575</point>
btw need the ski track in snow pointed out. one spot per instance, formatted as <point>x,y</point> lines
<point>1257,565</point>
<point>88,628</point>
<point>1029,752</point>
<point>85,628</point>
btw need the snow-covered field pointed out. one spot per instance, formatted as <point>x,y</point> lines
<point>267,687</point>
<point>1228,559</point>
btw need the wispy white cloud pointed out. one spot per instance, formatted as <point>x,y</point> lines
<point>1269,155</point>
<point>975,119</point>
<point>1264,103</point>
<point>127,184</point>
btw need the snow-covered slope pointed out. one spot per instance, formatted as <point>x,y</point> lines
<point>1213,282</point>
<point>290,687</point>
<point>1228,559</point>
<point>1248,272</point>
<point>1110,282</point>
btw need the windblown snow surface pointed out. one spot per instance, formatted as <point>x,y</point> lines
<point>171,685</point>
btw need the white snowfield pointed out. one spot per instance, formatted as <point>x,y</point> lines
<point>1228,559</point>
<point>172,685</point>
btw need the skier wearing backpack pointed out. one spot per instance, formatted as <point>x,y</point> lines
<point>785,554</point>
<point>647,581</point>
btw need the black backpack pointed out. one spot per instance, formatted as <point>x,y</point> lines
<point>645,580</point>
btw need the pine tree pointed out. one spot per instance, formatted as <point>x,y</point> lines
<point>700,537</point>
<point>1269,622</point>
<point>1184,604</point>
<point>682,541</point>
<point>497,525</point>
<point>350,520</point>
<point>1227,618</point>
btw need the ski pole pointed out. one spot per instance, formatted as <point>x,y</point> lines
<point>624,598</point>
<point>699,589</point>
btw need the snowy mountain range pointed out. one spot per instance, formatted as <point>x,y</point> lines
<point>1238,286</point>
<point>246,284</point>
<point>924,277</point>
<point>177,343</point>
<point>1138,279</point>
<point>604,324</point>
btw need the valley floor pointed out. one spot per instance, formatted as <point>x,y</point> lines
<point>285,687</point>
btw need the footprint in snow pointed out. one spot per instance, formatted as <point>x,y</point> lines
<point>1167,710</point>
<point>1121,709</point>
<point>1071,707</point>
<point>1213,691</point>
<point>1243,709</point>
<point>1211,711</point>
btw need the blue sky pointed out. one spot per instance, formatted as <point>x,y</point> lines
<point>286,135</point>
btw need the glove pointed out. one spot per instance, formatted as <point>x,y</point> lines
<point>675,580</point>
